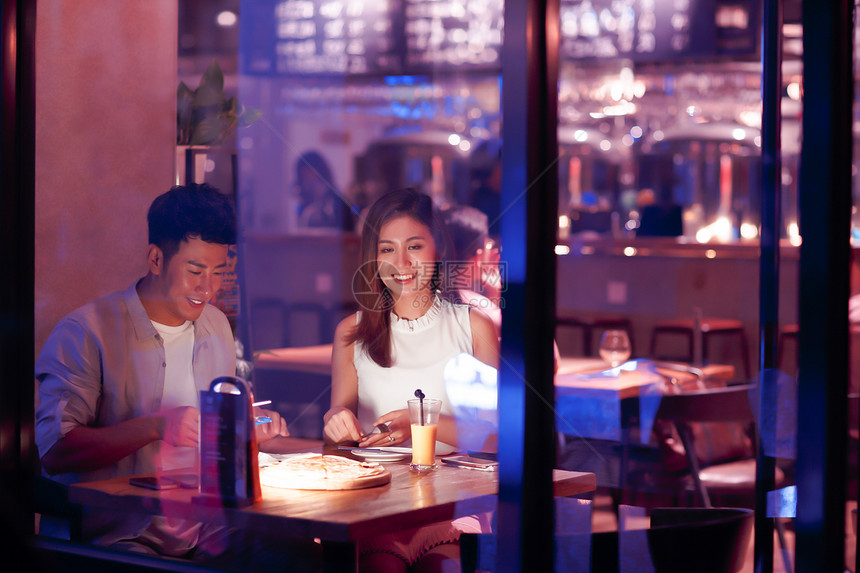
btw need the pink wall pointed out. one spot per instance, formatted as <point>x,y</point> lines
<point>105,130</point>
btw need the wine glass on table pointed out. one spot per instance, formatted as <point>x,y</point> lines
<point>615,347</point>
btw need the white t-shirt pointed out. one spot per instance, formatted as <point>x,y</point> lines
<point>172,535</point>
<point>179,388</point>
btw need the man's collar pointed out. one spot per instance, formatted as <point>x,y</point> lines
<point>140,320</point>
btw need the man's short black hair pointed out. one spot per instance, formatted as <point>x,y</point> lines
<point>189,211</point>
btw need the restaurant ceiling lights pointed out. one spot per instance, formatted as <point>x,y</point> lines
<point>750,117</point>
<point>749,231</point>
<point>720,230</point>
<point>623,108</point>
<point>793,234</point>
<point>793,91</point>
<point>792,30</point>
<point>226,19</point>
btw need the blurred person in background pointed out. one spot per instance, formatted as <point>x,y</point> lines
<point>486,167</point>
<point>475,272</point>
<point>472,271</point>
<point>321,205</point>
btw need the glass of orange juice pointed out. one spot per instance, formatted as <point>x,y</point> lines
<point>424,416</point>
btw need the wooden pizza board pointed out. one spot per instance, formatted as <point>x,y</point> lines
<point>327,484</point>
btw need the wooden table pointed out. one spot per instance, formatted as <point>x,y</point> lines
<point>338,518</point>
<point>310,359</point>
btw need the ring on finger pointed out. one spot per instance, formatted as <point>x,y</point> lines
<point>390,438</point>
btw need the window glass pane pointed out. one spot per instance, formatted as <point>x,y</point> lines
<point>853,455</point>
<point>660,113</point>
<point>357,99</point>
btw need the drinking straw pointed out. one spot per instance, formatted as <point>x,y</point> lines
<point>420,395</point>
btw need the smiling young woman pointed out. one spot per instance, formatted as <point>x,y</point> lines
<point>400,340</point>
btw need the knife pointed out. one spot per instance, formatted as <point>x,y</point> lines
<point>374,450</point>
<point>380,428</point>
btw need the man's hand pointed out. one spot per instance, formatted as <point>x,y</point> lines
<point>86,448</point>
<point>277,427</point>
<point>181,426</point>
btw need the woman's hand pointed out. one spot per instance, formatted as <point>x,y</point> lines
<point>341,425</point>
<point>399,426</point>
<point>277,427</point>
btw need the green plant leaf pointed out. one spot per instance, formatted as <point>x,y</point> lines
<point>206,96</point>
<point>184,102</point>
<point>206,116</point>
<point>183,92</point>
<point>250,116</point>
<point>213,77</point>
<point>210,130</point>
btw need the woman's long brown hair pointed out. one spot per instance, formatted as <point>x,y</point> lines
<point>373,330</point>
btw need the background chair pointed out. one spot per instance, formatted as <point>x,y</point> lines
<point>594,325</point>
<point>306,324</point>
<point>697,415</point>
<point>711,327</point>
<point>710,539</point>
<point>705,540</point>
<point>788,335</point>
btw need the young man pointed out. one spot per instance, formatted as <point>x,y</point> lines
<point>119,378</point>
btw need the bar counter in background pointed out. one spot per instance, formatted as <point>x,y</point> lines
<point>649,280</point>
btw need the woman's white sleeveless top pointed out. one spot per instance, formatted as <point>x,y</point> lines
<point>420,350</point>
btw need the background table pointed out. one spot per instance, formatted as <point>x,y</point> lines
<point>602,420</point>
<point>298,380</point>
<point>589,405</point>
<point>310,359</point>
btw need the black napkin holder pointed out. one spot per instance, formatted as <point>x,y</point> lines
<point>229,470</point>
